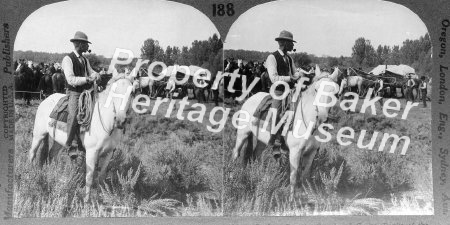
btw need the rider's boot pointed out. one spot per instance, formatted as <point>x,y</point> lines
<point>71,151</point>
<point>274,144</point>
<point>76,150</point>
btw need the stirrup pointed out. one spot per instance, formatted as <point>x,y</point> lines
<point>74,152</point>
<point>274,151</point>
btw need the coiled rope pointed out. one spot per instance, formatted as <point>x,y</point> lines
<point>85,108</point>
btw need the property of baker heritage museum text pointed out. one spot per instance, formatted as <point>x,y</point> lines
<point>281,119</point>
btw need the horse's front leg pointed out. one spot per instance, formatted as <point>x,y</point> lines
<point>91,163</point>
<point>295,150</point>
<point>308,158</point>
<point>104,162</point>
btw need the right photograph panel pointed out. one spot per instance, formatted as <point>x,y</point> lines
<point>332,110</point>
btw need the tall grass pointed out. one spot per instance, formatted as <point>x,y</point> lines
<point>163,167</point>
<point>167,167</point>
<point>345,180</point>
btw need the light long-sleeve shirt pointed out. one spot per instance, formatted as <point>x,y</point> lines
<point>381,85</point>
<point>423,85</point>
<point>410,83</point>
<point>271,65</point>
<point>170,85</point>
<point>73,80</point>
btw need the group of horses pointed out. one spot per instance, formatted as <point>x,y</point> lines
<point>158,88</point>
<point>251,70</point>
<point>350,79</point>
<point>359,82</point>
<point>31,79</point>
<point>107,122</point>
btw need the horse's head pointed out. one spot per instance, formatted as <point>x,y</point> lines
<point>329,88</point>
<point>20,66</point>
<point>322,94</point>
<point>121,91</point>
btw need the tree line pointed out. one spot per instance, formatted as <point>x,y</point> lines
<point>415,53</point>
<point>206,53</point>
<point>203,53</point>
<point>95,60</point>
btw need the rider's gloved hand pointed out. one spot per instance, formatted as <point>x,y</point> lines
<point>294,78</point>
<point>96,76</point>
<point>89,80</point>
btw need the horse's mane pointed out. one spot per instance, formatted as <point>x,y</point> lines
<point>322,75</point>
<point>117,77</point>
<point>310,90</point>
<point>107,85</point>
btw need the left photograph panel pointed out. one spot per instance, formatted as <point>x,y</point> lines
<point>117,111</point>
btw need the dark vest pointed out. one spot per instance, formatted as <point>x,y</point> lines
<point>78,70</point>
<point>282,67</point>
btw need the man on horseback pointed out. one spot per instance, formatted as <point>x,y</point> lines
<point>79,76</point>
<point>280,67</point>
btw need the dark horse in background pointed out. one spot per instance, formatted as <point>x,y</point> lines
<point>53,81</point>
<point>230,66</point>
<point>59,82</point>
<point>24,81</point>
<point>250,71</point>
<point>45,84</point>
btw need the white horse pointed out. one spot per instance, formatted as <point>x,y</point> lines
<point>103,135</point>
<point>149,81</point>
<point>301,150</point>
<point>351,81</point>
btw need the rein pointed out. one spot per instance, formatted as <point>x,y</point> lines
<point>108,131</point>
<point>299,102</point>
<point>316,107</point>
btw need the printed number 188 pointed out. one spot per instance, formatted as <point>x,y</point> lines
<point>221,10</point>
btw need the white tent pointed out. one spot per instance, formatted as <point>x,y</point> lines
<point>380,69</point>
<point>400,69</point>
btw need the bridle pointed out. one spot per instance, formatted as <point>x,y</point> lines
<point>316,108</point>
<point>109,131</point>
<point>300,101</point>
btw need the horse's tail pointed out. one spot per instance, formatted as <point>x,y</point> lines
<point>249,153</point>
<point>45,151</point>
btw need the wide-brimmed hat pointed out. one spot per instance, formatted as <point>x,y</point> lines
<point>80,36</point>
<point>285,35</point>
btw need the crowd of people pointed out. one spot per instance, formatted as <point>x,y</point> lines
<point>43,78</point>
<point>253,69</point>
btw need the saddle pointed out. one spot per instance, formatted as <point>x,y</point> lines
<point>59,114</point>
<point>262,110</point>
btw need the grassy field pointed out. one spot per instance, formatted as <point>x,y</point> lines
<point>163,167</point>
<point>345,180</point>
<point>168,167</point>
